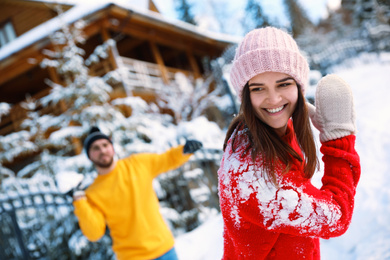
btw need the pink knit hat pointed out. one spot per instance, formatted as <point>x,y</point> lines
<point>268,49</point>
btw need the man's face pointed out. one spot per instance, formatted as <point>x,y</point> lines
<point>101,153</point>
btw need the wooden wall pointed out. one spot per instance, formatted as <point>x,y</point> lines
<point>26,15</point>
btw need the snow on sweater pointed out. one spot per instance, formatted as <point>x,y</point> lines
<point>262,221</point>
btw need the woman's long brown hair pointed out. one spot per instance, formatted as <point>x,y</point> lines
<point>267,144</point>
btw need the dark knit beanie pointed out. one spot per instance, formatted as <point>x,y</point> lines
<point>94,134</point>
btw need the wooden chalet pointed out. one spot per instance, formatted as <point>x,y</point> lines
<point>146,43</point>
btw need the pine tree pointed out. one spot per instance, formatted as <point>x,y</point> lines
<point>298,17</point>
<point>384,10</point>
<point>367,10</point>
<point>184,10</point>
<point>255,17</point>
<point>360,11</point>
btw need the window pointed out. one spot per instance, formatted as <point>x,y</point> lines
<point>7,33</point>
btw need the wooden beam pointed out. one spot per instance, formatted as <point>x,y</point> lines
<point>170,39</point>
<point>53,75</point>
<point>129,43</point>
<point>18,114</point>
<point>152,7</point>
<point>111,54</point>
<point>193,64</point>
<point>21,66</point>
<point>160,62</point>
<point>96,27</point>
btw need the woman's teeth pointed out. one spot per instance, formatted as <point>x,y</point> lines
<point>275,110</point>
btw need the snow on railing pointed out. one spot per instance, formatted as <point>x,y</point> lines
<point>37,221</point>
<point>332,53</point>
<point>147,75</point>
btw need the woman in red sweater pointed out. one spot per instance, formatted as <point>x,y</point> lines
<point>269,206</point>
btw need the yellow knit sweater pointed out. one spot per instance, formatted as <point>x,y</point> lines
<point>125,201</point>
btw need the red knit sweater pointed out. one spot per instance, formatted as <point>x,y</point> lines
<point>265,222</point>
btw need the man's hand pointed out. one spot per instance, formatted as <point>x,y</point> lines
<point>334,113</point>
<point>192,146</point>
<point>76,193</point>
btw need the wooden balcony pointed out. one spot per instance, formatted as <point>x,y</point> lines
<point>143,78</point>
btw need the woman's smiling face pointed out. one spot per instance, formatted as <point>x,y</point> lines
<point>274,97</point>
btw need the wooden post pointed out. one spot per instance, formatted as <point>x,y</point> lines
<point>53,75</point>
<point>160,62</point>
<point>17,114</point>
<point>152,7</point>
<point>77,145</point>
<point>111,53</point>
<point>117,63</point>
<point>193,64</point>
<point>62,106</point>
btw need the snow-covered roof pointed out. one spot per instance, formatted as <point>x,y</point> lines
<point>140,3</point>
<point>84,9</point>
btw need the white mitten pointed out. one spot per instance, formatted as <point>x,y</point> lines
<point>78,194</point>
<point>334,113</point>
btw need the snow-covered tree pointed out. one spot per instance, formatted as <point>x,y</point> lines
<point>4,108</point>
<point>183,8</point>
<point>384,11</point>
<point>354,28</point>
<point>254,16</point>
<point>299,20</point>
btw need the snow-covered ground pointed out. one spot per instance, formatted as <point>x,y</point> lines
<point>368,237</point>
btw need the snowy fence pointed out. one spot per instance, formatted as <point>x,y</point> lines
<point>324,56</point>
<point>336,53</point>
<point>37,222</point>
<point>22,217</point>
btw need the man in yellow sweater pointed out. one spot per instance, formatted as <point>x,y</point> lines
<point>122,197</point>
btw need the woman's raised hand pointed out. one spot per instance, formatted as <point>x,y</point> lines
<point>334,112</point>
